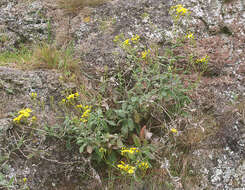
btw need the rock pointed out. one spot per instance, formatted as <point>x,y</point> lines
<point>21,22</point>
<point>16,86</point>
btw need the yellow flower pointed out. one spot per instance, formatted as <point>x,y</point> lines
<point>130,171</point>
<point>130,151</point>
<point>179,10</point>
<point>143,165</point>
<point>76,94</point>
<point>173,130</point>
<point>145,53</point>
<point>63,100</point>
<point>203,60</point>
<point>24,179</point>
<point>71,96</point>
<point>126,42</point>
<point>80,106</point>
<point>23,111</point>
<point>135,38</point>
<point>126,168</point>
<point>33,95</point>
<point>34,118</point>
<point>190,36</point>
<point>83,120</point>
<point>18,119</point>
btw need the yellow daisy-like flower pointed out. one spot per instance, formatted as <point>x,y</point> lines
<point>126,168</point>
<point>24,179</point>
<point>173,130</point>
<point>33,95</point>
<point>135,38</point>
<point>190,36</point>
<point>34,118</point>
<point>143,165</point>
<point>126,42</point>
<point>145,53</point>
<point>22,113</point>
<point>80,106</point>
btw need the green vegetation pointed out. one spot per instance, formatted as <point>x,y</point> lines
<point>17,56</point>
<point>114,126</point>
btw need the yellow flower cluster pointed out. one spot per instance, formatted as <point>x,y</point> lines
<point>129,151</point>
<point>70,97</point>
<point>134,40</point>
<point>86,112</point>
<point>173,130</point>
<point>33,95</point>
<point>145,53</point>
<point>180,10</point>
<point>126,42</point>
<point>203,60</point>
<point>24,113</point>
<point>126,168</point>
<point>24,179</point>
<point>143,165</point>
<point>190,36</point>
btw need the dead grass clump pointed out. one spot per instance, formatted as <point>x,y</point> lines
<point>48,56</point>
<point>73,6</point>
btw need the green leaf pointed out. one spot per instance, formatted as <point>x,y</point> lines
<point>81,149</point>
<point>136,140</point>
<point>130,124</point>
<point>124,130</point>
<point>112,123</point>
<point>163,94</point>
<point>120,113</point>
<point>134,99</point>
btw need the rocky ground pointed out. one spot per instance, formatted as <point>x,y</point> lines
<point>220,31</point>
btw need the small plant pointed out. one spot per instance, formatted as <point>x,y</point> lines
<point>24,116</point>
<point>137,159</point>
<point>177,12</point>
<point>48,56</point>
<point>19,56</point>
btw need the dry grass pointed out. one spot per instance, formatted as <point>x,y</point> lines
<point>73,6</point>
<point>48,56</point>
